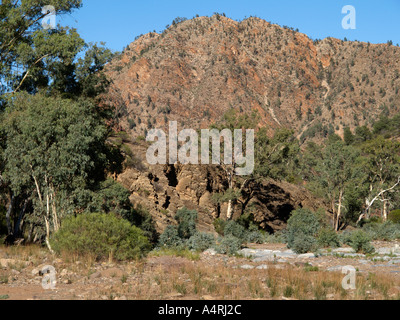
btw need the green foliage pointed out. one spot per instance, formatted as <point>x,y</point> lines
<point>328,238</point>
<point>201,242</point>
<point>186,222</point>
<point>219,226</point>
<point>141,218</point>
<point>276,158</point>
<point>101,235</point>
<point>228,245</point>
<point>170,238</point>
<point>110,196</point>
<point>360,242</point>
<point>394,216</point>
<point>387,231</point>
<point>348,136</point>
<point>234,229</point>
<point>89,70</point>
<point>255,237</point>
<point>303,243</point>
<point>64,153</point>
<point>302,231</point>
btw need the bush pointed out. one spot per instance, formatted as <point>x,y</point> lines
<point>187,222</point>
<point>201,241</point>
<point>328,238</point>
<point>219,226</point>
<point>232,228</point>
<point>302,230</point>
<point>277,237</point>
<point>228,245</point>
<point>360,242</point>
<point>101,235</point>
<point>170,238</point>
<point>394,216</point>
<point>255,237</point>
<point>304,243</point>
<point>387,231</point>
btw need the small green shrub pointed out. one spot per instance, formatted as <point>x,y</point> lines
<point>302,230</point>
<point>328,238</point>
<point>201,241</point>
<point>361,242</point>
<point>219,226</point>
<point>304,243</point>
<point>277,237</point>
<point>255,237</point>
<point>228,245</point>
<point>387,231</point>
<point>101,235</point>
<point>187,222</point>
<point>394,216</point>
<point>170,238</point>
<point>232,228</point>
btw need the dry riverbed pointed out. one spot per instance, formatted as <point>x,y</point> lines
<point>267,271</point>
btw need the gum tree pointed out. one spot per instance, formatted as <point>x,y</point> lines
<point>54,154</point>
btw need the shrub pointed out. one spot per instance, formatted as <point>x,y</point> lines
<point>201,241</point>
<point>302,230</point>
<point>232,228</point>
<point>255,237</point>
<point>327,237</point>
<point>187,222</point>
<point>394,216</point>
<point>277,237</point>
<point>387,231</point>
<point>170,238</point>
<point>101,235</point>
<point>228,245</point>
<point>219,226</point>
<point>360,242</point>
<point>304,243</point>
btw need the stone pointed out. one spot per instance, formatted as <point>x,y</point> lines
<point>95,275</point>
<point>335,268</point>
<point>262,267</point>
<point>247,267</point>
<point>307,256</point>
<point>210,252</point>
<point>264,258</point>
<point>343,250</point>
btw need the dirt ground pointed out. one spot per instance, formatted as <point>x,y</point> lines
<point>206,276</point>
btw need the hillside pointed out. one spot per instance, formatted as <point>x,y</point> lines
<point>198,69</point>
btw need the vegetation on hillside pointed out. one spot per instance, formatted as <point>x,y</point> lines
<point>59,154</point>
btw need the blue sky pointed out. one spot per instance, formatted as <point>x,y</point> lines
<point>118,22</point>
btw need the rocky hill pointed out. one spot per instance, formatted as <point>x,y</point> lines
<point>198,69</point>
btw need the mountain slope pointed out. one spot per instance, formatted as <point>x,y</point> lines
<point>197,70</point>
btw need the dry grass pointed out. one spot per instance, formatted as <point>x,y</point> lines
<point>200,281</point>
<point>165,276</point>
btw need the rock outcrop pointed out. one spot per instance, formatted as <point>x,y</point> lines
<point>163,189</point>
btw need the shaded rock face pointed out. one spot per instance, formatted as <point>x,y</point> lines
<point>164,189</point>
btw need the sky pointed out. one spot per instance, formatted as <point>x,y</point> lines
<point>118,22</point>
